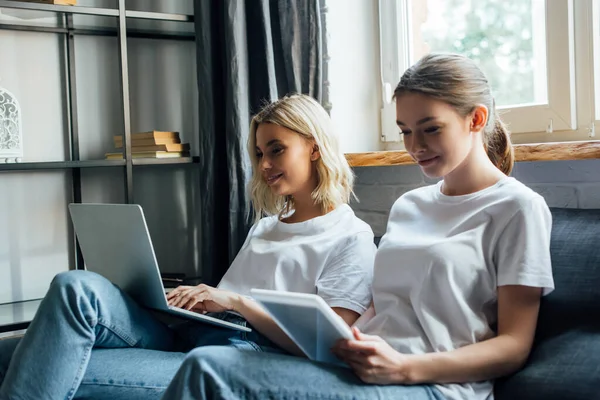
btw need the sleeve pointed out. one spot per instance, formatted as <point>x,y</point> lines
<point>347,277</point>
<point>523,248</point>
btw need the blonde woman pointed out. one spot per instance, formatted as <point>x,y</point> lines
<point>305,239</point>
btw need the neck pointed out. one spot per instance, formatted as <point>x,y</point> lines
<point>304,209</point>
<point>476,173</point>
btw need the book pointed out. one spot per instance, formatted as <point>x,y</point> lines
<point>161,147</point>
<point>146,142</point>
<point>151,135</point>
<point>149,154</point>
<point>57,2</point>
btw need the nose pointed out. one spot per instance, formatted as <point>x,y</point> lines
<point>265,164</point>
<point>415,143</point>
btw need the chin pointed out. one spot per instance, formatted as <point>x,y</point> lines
<point>433,172</point>
<point>280,191</point>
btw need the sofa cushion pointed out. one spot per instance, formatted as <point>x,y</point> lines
<point>565,359</point>
<point>575,252</point>
<point>566,366</point>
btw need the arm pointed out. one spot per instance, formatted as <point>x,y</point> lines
<point>348,316</point>
<point>518,308</point>
<point>374,361</point>
<point>366,317</point>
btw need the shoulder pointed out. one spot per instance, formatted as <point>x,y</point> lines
<point>353,234</point>
<point>517,192</point>
<point>264,224</point>
<point>348,224</point>
<point>518,199</point>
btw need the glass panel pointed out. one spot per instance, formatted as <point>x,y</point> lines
<point>507,39</point>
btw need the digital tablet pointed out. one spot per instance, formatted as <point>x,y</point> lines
<point>307,320</point>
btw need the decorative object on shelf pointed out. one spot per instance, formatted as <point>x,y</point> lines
<point>153,144</point>
<point>57,2</point>
<point>11,137</point>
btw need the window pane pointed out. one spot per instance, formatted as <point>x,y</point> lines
<point>506,38</point>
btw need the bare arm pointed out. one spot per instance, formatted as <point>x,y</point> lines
<point>375,361</point>
<point>518,308</point>
<point>348,316</point>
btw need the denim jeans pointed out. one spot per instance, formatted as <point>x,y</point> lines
<point>228,373</point>
<point>91,340</point>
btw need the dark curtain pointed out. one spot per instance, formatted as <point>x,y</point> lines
<point>248,52</point>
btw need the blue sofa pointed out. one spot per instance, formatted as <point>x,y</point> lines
<point>565,361</point>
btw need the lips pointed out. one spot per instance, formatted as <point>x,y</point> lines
<point>271,179</point>
<point>427,161</point>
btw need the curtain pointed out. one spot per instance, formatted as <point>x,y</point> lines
<point>248,52</point>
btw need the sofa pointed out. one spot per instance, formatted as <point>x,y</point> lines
<point>564,363</point>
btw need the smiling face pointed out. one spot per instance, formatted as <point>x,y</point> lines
<point>286,160</point>
<point>435,135</point>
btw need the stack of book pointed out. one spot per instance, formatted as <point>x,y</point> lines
<point>153,144</point>
<point>59,2</point>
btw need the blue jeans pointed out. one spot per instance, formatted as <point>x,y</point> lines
<point>90,340</point>
<point>228,373</point>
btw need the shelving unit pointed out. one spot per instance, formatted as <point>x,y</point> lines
<point>75,164</point>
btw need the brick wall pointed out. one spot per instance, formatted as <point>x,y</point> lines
<point>570,184</point>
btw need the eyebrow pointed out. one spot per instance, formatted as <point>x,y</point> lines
<point>419,122</point>
<point>270,143</point>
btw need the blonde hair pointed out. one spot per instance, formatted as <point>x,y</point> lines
<point>305,116</point>
<point>458,81</point>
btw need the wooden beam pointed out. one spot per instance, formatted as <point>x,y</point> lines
<point>523,152</point>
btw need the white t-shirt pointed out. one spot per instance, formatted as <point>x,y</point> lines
<point>331,255</point>
<point>441,260</point>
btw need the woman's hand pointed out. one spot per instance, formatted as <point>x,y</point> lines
<point>372,359</point>
<point>203,298</point>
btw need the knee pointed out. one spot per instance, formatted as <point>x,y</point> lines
<point>209,359</point>
<point>75,282</point>
<point>203,356</point>
<point>70,278</point>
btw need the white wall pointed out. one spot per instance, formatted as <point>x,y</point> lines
<point>34,225</point>
<point>354,73</point>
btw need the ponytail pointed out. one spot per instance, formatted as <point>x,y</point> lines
<point>499,147</point>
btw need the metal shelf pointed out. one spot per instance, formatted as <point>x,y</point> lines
<point>103,12</point>
<point>159,16</point>
<point>134,33</point>
<point>17,315</point>
<point>46,165</point>
<point>165,161</point>
<point>131,33</point>
<point>41,165</point>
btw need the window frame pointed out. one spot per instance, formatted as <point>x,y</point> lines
<point>560,112</point>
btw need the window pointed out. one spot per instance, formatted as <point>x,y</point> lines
<point>502,37</point>
<point>596,56</point>
<point>525,47</point>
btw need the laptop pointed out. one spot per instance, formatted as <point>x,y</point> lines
<point>115,243</point>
